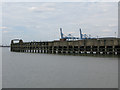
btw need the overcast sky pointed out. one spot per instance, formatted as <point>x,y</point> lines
<point>41,21</point>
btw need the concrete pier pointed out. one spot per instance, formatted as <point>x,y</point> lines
<point>88,46</point>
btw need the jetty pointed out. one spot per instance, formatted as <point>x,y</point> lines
<point>87,46</point>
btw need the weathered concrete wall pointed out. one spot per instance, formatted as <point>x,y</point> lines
<point>104,46</point>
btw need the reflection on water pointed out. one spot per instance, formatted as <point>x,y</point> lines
<point>92,55</point>
<point>30,70</point>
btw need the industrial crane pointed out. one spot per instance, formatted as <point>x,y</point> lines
<point>69,37</point>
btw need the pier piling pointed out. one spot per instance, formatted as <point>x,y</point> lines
<point>88,46</point>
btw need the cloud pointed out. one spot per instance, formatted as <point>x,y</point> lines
<point>5,31</point>
<point>112,25</point>
<point>43,8</point>
<point>106,30</point>
<point>3,27</point>
<point>60,1</point>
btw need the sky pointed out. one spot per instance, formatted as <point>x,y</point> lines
<point>40,21</point>
<point>60,0</point>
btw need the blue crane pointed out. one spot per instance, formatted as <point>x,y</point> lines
<point>82,36</point>
<point>67,37</point>
<point>61,33</point>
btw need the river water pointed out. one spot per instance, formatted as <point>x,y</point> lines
<point>30,70</point>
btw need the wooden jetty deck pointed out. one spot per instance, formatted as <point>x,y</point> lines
<point>92,46</point>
